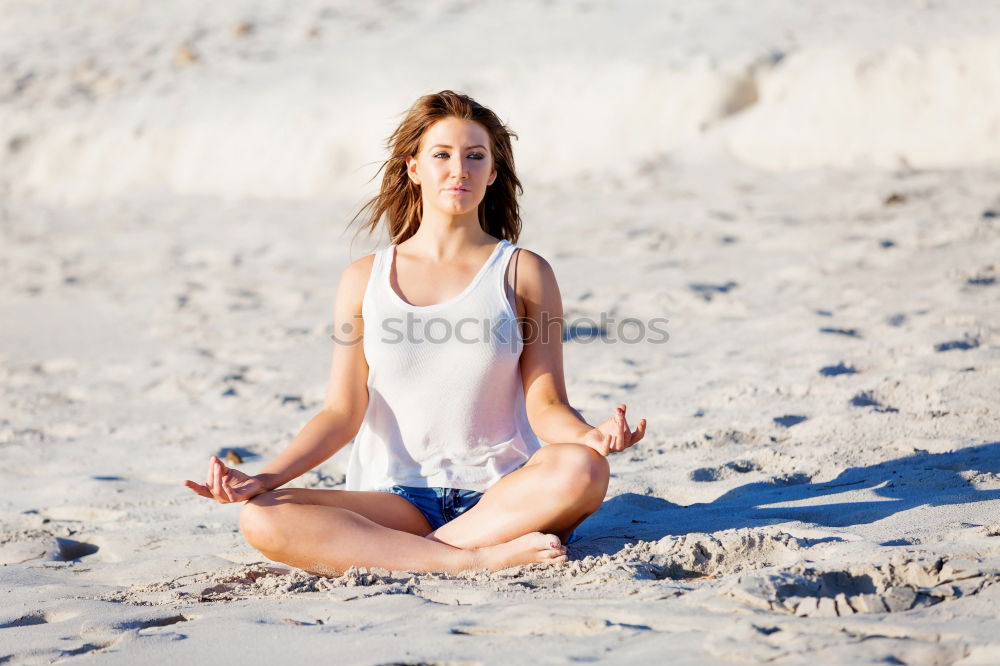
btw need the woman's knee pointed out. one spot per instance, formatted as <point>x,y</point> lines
<point>259,523</point>
<point>582,471</point>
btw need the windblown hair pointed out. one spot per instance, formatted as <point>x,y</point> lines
<point>398,200</point>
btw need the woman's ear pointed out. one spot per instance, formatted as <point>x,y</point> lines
<point>493,176</point>
<point>411,169</point>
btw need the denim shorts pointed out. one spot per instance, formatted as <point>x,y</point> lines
<point>442,505</point>
<point>439,505</point>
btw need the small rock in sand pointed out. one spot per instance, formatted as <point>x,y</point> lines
<point>185,56</point>
<point>243,28</point>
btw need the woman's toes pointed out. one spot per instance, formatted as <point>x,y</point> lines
<point>553,540</point>
<point>532,547</point>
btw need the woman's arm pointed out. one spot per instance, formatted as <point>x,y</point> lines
<point>347,390</point>
<point>340,417</point>
<point>324,435</point>
<point>549,413</point>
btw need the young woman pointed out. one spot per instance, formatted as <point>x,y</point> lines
<point>448,362</point>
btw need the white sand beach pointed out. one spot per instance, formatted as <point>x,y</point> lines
<point>808,193</point>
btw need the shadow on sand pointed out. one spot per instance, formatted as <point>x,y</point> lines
<point>922,479</point>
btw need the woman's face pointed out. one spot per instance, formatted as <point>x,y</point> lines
<point>453,165</point>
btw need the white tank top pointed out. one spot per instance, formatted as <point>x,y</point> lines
<point>445,399</point>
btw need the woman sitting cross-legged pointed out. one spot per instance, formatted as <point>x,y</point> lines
<point>447,364</point>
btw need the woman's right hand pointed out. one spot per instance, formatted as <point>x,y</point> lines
<point>226,484</point>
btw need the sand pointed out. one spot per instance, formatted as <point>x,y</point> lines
<point>808,196</point>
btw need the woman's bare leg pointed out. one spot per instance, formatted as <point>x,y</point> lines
<point>386,509</point>
<point>554,492</point>
<point>328,539</point>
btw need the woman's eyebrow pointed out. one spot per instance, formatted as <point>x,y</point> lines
<point>444,145</point>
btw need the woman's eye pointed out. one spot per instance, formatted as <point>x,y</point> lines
<point>474,156</point>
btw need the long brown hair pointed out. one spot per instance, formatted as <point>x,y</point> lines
<point>398,200</point>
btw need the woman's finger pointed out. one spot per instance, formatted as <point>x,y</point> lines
<point>211,478</point>
<point>640,431</point>
<point>615,430</point>
<point>227,486</point>
<point>623,431</point>
<point>217,479</point>
<point>211,472</point>
<point>200,489</point>
<point>224,483</point>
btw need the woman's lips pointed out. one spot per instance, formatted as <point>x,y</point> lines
<point>457,189</point>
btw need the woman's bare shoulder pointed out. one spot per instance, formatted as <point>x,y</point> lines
<point>360,267</point>
<point>354,279</point>
<point>534,274</point>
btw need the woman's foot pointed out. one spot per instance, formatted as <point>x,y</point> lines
<point>533,547</point>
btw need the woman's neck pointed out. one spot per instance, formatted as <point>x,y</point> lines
<point>445,238</point>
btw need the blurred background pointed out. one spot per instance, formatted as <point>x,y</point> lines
<point>292,100</point>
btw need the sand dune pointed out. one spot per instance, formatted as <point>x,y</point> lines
<point>249,99</point>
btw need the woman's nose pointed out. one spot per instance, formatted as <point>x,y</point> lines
<point>459,168</point>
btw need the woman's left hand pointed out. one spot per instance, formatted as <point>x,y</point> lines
<point>614,435</point>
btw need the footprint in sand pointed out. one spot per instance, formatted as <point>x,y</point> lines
<point>233,380</point>
<point>846,332</point>
<point>868,399</point>
<point>896,320</point>
<point>970,342</point>
<point>984,281</point>
<point>37,617</point>
<point>789,420</point>
<point>89,647</point>
<point>150,623</point>
<point>710,291</point>
<point>113,634</point>
<point>25,621</point>
<point>839,369</point>
<point>985,277</point>
<point>70,549</point>
<point>726,471</point>
<point>293,400</point>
